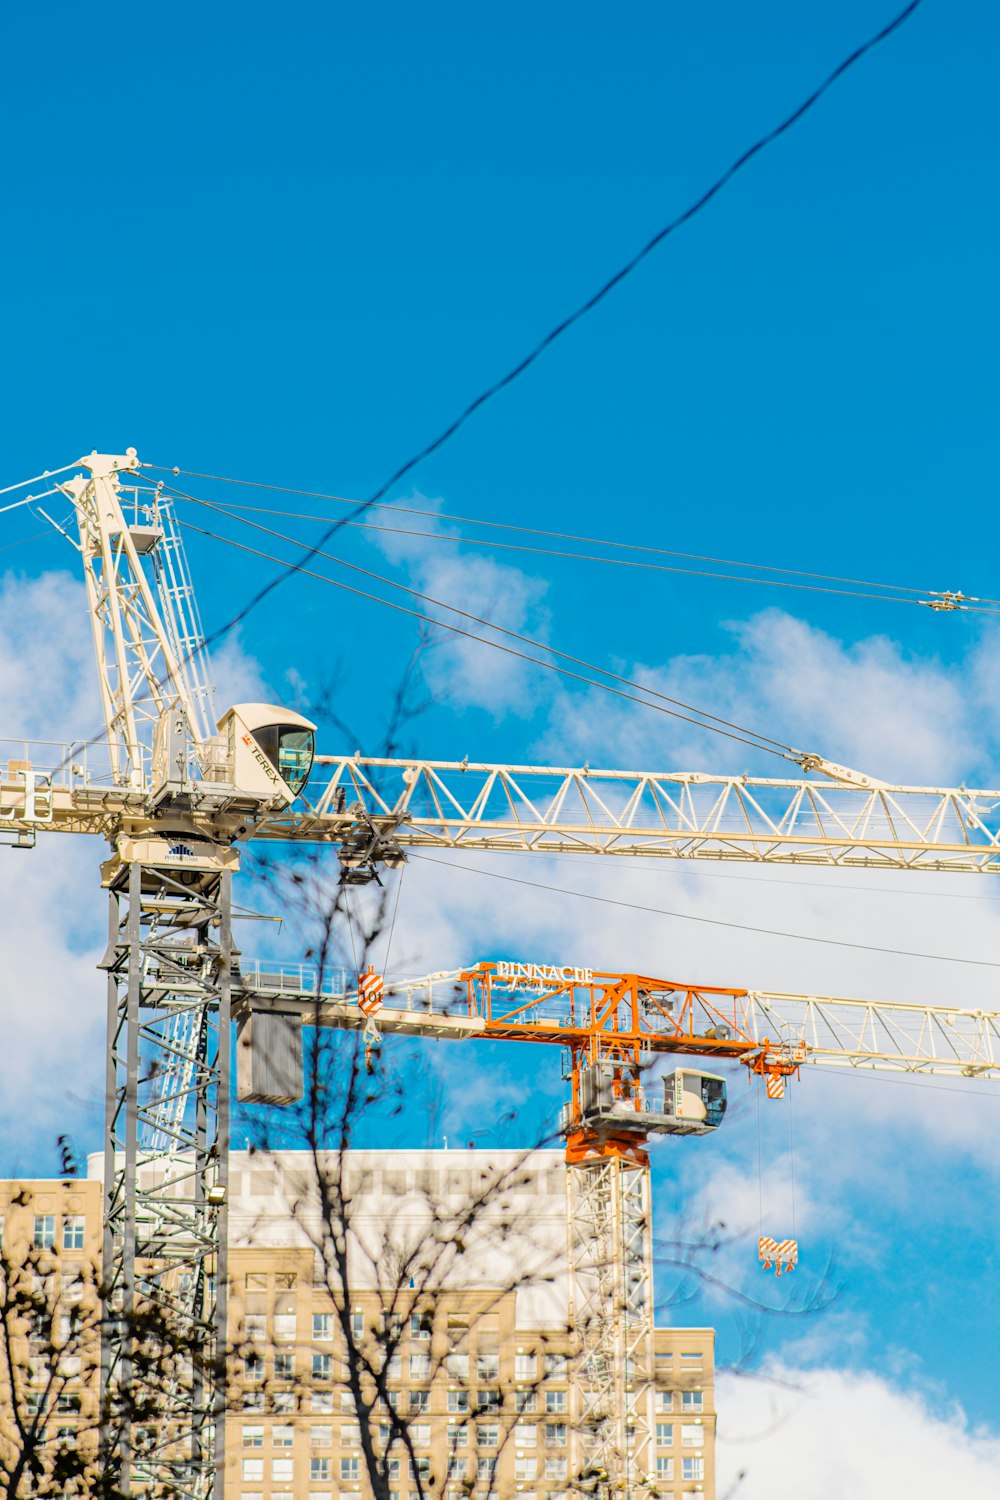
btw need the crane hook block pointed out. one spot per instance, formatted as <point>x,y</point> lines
<point>782,1255</point>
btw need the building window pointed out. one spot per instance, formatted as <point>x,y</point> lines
<point>664,1401</point>
<point>255,1325</point>
<point>524,1401</point>
<point>45,1231</point>
<point>525,1466</point>
<point>394,1368</point>
<point>357,1326</point>
<point>692,1401</point>
<point>321,1366</point>
<point>555,1468</point>
<point>555,1435</point>
<point>487,1400</point>
<point>420,1325</point>
<point>693,1435</point>
<point>555,1401</point>
<point>458,1434</point>
<point>319,1469</point>
<point>458,1401</point>
<point>253,1437</point>
<point>488,1366</point>
<point>284,1366</point>
<point>350,1470</point>
<point>253,1400</point>
<point>321,1402</point>
<point>691,1359</point>
<point>420,1400</point>
<point>664,1434</point>
<point>458,1466</point>
<point>664,1466</point>
<point>420,1367</point>
<point>555,1364</point>
<point>693,1468</point>
<point>73,1227</point>
<point>253,1368</point>
<point>283,1468</point>
<point>458,1365</point>
<point>253,1468</point>
<point>322,1327</point>
<point>488,1435</point>
<point>420,1434</point>
<point>320,1436</point>
<point>350,1434</point>
<point>485,1470</point>
<point>525,1435</point>
<point>283,1436</point>
<point>283,1403</point>
<point>525,1366</point>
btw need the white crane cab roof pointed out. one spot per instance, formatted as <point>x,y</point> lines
<point>270,749</point>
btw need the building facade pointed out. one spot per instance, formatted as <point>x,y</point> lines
<point>455,1262</point>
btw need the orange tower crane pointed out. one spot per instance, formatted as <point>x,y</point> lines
<point>612,1026</point>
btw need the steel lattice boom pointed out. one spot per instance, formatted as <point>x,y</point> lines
<point>376,809</point>
<point>633,1015</point>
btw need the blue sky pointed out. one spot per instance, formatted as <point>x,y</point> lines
<point>291,247</point>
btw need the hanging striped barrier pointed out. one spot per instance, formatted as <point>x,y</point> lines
<point>774,1086</point>
<point>371,988</point>
<point>783,1255</point>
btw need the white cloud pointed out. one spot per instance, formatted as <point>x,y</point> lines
<point>52,996</point>
<point>459,670</point>
<point>238,677</point>
<point>846,1433</point>
<point>868,704</point>
<point>48,680</point>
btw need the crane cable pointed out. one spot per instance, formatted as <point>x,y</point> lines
<point>864,588</point>
<point>706,721</point>
<point>683,916</point>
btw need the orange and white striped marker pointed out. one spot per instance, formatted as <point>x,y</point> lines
<point>774,1086</point>
<point>371,988</point>
<point>783,1255</point>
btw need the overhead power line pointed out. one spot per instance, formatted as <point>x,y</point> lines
<point>574,317</point>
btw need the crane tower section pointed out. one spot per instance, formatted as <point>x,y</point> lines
<point>179,793</point>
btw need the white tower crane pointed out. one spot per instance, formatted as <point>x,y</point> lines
<point>177,795</point>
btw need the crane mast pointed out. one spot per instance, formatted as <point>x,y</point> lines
<point>178,795</point>
<point>174,794</point>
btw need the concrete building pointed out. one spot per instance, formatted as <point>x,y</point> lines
<point>484,1370</point>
